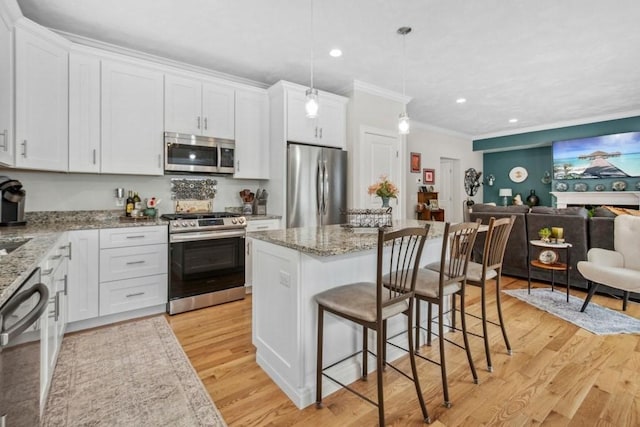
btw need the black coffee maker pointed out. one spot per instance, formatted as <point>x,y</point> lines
<point>12,198</point>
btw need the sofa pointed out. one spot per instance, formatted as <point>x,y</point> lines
<point>574,221</point>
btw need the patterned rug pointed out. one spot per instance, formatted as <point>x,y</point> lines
<point>131,374</point>
<point>596,319</point>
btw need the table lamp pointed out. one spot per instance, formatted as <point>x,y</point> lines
<point>504,193</point>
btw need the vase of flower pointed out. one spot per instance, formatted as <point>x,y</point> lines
<point>384,189</point>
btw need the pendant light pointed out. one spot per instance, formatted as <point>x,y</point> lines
<point>404,125</point>
<point>311,105</point>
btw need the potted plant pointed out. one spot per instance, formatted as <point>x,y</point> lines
<point>384,189</point>
<point>544,234</point>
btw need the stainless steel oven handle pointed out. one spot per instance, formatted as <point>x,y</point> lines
<point>30,318</point>
<point>205,235</point>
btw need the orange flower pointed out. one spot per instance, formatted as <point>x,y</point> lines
<point>383,188</point>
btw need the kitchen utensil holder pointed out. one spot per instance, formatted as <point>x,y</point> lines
<point>367,218</point>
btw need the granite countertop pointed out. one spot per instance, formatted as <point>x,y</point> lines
<point>41,232</point>
<point>333,240</point>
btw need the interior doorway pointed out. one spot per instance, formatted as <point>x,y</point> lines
<point>449,189</point>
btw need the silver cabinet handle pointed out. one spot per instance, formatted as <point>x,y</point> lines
<point>198,122</point>
<point>320,133</point>
<point>94,156</point>
<point>137,294</point>
<point>316,131</point>
<point>47,272</point>
<point>159,160</point>
<point>24,148</point>
<point>135,262</point>
<point>205,123</point>
<point>54,257</point>
<point>262,227</point>
<point>140,236</point>
<point>5,146</point>
<point>238,167</point>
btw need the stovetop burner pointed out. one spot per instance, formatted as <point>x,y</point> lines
<point>201,215</point>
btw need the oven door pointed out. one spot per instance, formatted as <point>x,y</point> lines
<point>205,265</point>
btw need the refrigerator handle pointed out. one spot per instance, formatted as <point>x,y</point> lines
<point>325,191</point>
<point>319,187</point>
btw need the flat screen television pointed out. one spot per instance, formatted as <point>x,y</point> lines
<point>607,156</point>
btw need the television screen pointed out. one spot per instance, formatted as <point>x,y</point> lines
<point>607,156</point>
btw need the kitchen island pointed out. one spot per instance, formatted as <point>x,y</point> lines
<point>290,267</point>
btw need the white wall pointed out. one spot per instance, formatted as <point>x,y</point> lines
<point>434,144</point>
<point>51,191</point>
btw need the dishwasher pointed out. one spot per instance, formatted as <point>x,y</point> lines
<point>20,353</point>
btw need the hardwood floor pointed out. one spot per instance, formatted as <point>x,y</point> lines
<point>558,375</point>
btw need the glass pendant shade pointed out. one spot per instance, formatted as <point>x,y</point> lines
<point>311,105</point>
<point>404,125</point>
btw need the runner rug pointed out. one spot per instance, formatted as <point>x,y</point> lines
<point>596,319</point>
<point>130,374</point>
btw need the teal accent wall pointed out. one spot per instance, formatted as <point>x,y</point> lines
<point>535,160</point>
<point>517,151</point>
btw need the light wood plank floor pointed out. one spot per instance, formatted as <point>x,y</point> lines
<point>558,375</point>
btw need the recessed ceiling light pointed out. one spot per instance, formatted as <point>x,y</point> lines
<point>461,100</point>
<point>513,120</point>
<point>336,53</point>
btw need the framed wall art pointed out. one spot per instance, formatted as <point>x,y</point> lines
<point>428,176</point>
<point>415,163</point>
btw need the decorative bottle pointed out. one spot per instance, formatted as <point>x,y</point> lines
<point>533,200</point>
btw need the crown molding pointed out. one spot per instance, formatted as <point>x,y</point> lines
<point>180,66</point>
<point>426,126</point>
<point>379,91</point>
<point>568,123</point>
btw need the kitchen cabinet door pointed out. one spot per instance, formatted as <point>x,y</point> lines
<point>132,119</point>
<point>183,105</point>
<point>299,127</point>
<point>6,89</point>
<point>252,135</point>
<point>42,88</point>
<point>84,113</point>
<point>218,111</point>
<point>83,285</point>
<point>332,123</point>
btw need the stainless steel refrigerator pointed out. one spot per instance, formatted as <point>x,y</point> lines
<point>316,185</point>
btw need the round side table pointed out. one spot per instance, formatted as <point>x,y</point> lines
<point>549,259</point>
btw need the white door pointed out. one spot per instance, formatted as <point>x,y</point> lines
<point>42,89</point>
<point>252,135</point>
<point>380,157</point>
<point>84,113</point>
<point>183,105</point>
<point>218,111</point>
<point>6,88</point>
<point>132,128</point>
<point>450,185</point>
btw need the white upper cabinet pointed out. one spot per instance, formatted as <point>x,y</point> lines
<point>41,98</point>
<point>252,134</point>
<point>199,108</point>
<point>132,119</point>
<point>84,113</point>
<point>6,89</point>
<point>328,129</point>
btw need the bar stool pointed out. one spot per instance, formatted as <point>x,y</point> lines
<point>435,287</point>
<point>372,304</point>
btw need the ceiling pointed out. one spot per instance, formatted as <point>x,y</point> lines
<point>544,62</point>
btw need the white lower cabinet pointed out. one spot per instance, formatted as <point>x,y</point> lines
<point>255,225</point>
<point>133,268</point>
<point>53,273</point>
<point>83,275</point>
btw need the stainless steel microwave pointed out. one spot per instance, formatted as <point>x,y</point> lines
<point>199,154</point>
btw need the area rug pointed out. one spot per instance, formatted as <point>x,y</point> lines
<point>596,319</point>
<point>130,374</point>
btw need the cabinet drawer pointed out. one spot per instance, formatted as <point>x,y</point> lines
<point>133,236</point>
<point>137,261</point>
<point>132,294</point>
<point>263,224</point>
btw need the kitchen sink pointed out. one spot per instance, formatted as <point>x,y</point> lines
<point>8,247</point>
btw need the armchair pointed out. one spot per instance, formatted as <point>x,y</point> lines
<point>619,268</point>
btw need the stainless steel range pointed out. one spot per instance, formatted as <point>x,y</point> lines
<point>206,259</point>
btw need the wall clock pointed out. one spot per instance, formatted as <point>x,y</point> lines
<point>518,174</point>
